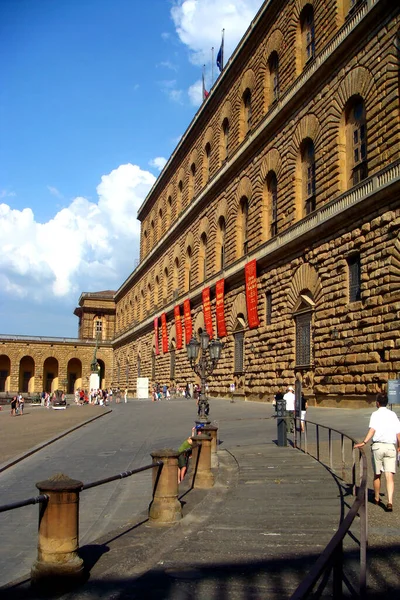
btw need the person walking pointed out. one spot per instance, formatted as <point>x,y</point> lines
<point>21,404</point>
<point>303,411</point>
<point>384,430</point>
<point>289,397</point>
<point>14,403</point>
<point>126,395</point>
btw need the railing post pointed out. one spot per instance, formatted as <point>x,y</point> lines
<point>165,508</point>
<point>203,477</point>
<point>57,560</point>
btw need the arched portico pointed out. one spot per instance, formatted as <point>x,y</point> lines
<point>26,379</point>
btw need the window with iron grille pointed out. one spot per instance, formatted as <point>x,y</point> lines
<point>303,339</point>
<point>99,326</point>
<point>247,110</point>
<point>153,365</point>
<point>138,366</point>
<point>273,195</point>
<point>274,75</point>
<point>354,266</point>
<point>268,308</point>
<point>309,164</point>
<point>360,169</point>
<point>239,352</point>
<point>225,129</point>
<point>172,364</point>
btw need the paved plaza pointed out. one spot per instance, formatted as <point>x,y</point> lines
<point>254,535</point>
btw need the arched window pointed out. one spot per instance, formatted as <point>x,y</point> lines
<point>168,212</point>
<point>175,278</point>
<point>243,225</point>
<point>152,233</point>
<point>172,361</point>
<point>165,284</point>
<point>141,308</point>
<point>160,224</point>
<point>308,176</point>
<point>238,337</point>
<point>192,181</point>
<point>356,141</point>
<point>220,244</point>
<point>156,290</point>
<point>273,66</point>
<point>307,35</point>
<point>203,257</point>
<point>188,269</point>
<point>148,299</point>
<point>272,185</point>
<point>225,139</point>
<point>303,316</point>
<point>246,111</point>
<point>207,155</point>
<point>179,197</point>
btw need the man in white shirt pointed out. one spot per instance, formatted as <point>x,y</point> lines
<point>384,430</point>
<point>289,397</point>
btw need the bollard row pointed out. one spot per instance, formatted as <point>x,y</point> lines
<point>58,563</point>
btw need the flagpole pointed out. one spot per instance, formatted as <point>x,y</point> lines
<point>212,66</point>
<point>222,46</point>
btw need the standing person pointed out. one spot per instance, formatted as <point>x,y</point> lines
<point>384,430</point>
<point>126,395</point>
<point>303,410</point>
<point>21,404</point>
<point>289,397</point>
<point>14,406</point>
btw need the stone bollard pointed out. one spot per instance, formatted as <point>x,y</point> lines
<point>58,563</point>
<point>212,430</point>
<point>165,508</point>
<point>202,476</point>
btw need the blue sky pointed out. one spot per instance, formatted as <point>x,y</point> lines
<point>94,97</point>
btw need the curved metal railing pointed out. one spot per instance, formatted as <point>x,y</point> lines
<point>331,561</point>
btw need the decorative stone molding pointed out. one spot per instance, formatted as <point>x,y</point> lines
<point>305,278</point>
<point>238,307</point>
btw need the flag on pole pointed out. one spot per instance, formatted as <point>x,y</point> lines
<point>220,55</point>
<point>205,92</point>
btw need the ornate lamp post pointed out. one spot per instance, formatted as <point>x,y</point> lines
<point>204,366</point>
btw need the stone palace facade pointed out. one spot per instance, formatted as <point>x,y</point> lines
<point>276,221</point>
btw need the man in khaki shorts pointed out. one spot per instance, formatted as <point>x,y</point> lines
<point>384,430</point>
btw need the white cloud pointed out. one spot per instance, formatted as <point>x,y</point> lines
<point>199,24</point>
<point>6,194</point>
<point>86,246</point>
<point>158,163</point>
<point>55,192</point>
<point>167,64</point>
<point>195,93</point>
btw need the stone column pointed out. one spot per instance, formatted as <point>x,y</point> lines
<point>57,561</point>
<point>202,476</point>
<point>165,508</point>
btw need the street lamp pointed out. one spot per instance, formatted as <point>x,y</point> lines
<point>204,366</point>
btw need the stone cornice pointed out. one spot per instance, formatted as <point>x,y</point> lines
<point>32,339</point>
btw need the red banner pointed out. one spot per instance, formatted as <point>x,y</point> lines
<point>188,321</point>
<point>219,293</point>
<point>164,333</point>
<point>157,349</point>
<point>207,311</point>
<point>250,272</point>
<point>178,327</point>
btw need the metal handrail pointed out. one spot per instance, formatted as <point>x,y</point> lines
<point>332,557</point>
<point>44,497</point>
<point>122,475</point>
<point>34,500</point>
